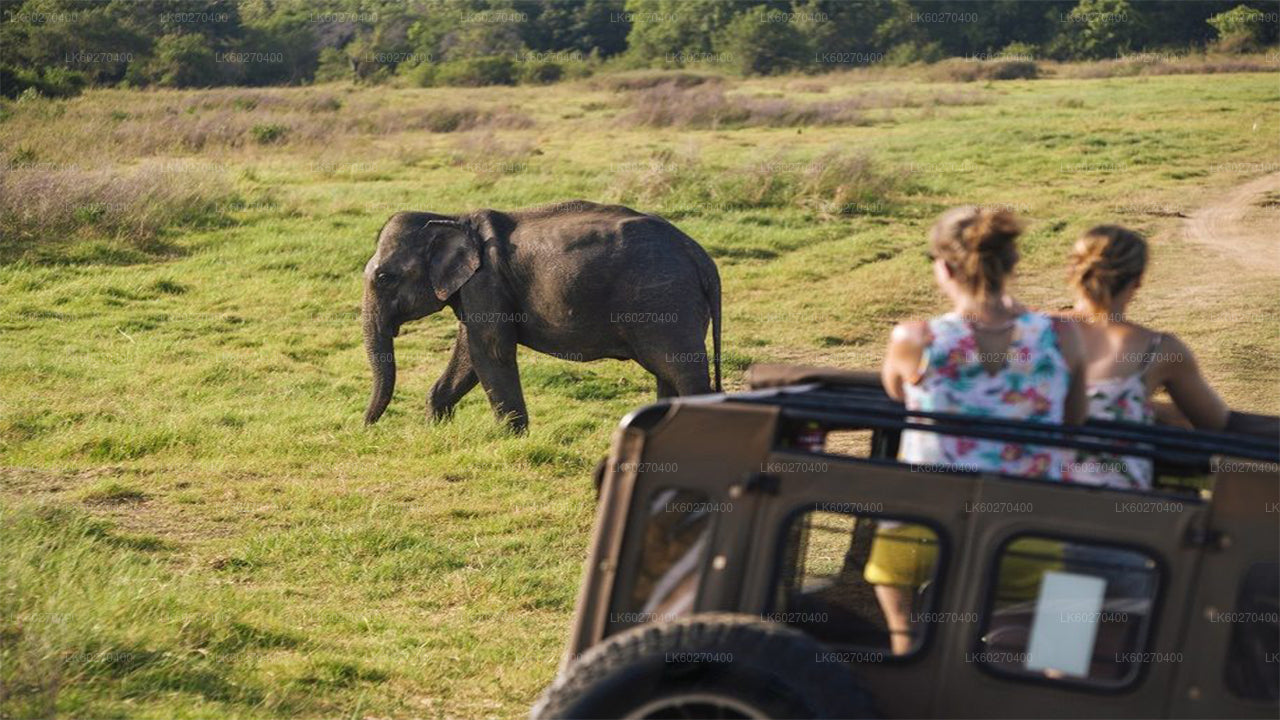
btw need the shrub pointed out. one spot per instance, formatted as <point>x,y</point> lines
<point>269,133</point>
<point>1240,29</point>
<point>1097,29</point>
<point>477,72</point>
<point>754,45</point>
<point>543,72</point>
<point>1009,70</point>
<point>332,65</point>
<point>644,80</point>
<point>182,61</point>
<point>913,52</point>
<point>960,70</point>
<point>53,81</point>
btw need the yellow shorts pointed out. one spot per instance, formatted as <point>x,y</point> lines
<point>906,556</point>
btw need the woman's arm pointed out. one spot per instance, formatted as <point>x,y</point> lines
<point>902,360</point>
<point>1179,373</point>
<point>1076,408</point>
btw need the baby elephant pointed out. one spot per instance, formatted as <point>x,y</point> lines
<point>579,281</point>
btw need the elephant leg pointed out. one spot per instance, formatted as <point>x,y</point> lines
<point>458,378</point>
<point>678,372</point>
<point>493,355</point>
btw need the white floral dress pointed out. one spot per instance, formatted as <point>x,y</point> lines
<point>1032,384</point>
<point>1122,398</point>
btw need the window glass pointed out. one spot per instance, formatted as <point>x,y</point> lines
<point>1071,611</point>
<point>853,580</point>
<point>676,533</point>
<point>1253,657</point>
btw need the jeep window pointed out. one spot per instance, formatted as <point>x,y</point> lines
<point>676,533</point>
<point>1253,657</point>
<point>857,581</point>
<point>1070,611</point>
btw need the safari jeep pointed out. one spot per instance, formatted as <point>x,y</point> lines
<point>764,555</point>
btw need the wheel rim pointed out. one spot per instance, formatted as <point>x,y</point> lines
<point>695,705</point>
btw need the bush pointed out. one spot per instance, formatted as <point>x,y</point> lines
<point>54,81</point>
<point>182,61</point>
<point>646,79</point>
<point>1240,29</point>
<point>269,133</point>
<point>754,45</point>
<point>958,70</point>
<point>332,65</point>
<point>420,75</point>
<point>1097,29</point>
<point>477,72</point>
<point>1010,70</point>
<point>912,52</point>
<point>542,72</point>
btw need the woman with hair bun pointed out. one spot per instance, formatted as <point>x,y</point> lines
<point>1125,362</point>
<point>990,357</point>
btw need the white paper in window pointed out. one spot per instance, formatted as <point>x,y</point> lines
<point>1066,623</point>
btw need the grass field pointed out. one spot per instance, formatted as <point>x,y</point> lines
<point>195,523</point>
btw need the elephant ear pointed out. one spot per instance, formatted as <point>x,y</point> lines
<point>455,257</point>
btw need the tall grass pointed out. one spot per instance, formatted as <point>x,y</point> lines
<point>833,184</point>
<point>710,106</point>
<point>43,210</point>
<point>169,123</point>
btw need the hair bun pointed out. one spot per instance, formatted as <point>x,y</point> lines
<point>991,231</point>
<point>1105,260</point>
<point>979,245</point>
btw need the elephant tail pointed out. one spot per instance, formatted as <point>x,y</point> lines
<point>711,286</point>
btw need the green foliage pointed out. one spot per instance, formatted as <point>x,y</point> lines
<point>1239,29</point>
<point>477,72</point>
<point>269,133</point>
<point>761,41</point>
<point>178,44</point>
<point>51,82</point>
<point>541,72</point>
<point>1097,29</point>
<point>182,61</point>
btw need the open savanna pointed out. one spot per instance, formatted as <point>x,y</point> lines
<point>195,523</point>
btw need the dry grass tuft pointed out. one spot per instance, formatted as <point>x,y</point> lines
<point>1163,64</point>
<point>836,183</point>
<point>711,107</point>
<point>645,80</point>
<point>169,123</point>
<point>42,210</point>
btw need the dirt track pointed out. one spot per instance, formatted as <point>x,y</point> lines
<point>1244,224</point>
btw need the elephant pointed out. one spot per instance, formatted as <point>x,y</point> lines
<point>576,280</point>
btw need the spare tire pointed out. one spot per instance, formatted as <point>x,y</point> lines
<point>706,666</point>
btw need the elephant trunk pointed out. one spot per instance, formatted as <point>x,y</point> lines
<point>380,346</point>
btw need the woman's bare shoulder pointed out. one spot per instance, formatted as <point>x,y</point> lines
<point>910,333</point>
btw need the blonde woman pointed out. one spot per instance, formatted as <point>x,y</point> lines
<point>1127,363</point>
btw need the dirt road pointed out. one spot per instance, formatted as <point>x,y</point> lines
<point>1244,224</point>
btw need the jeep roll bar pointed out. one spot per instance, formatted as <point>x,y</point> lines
<point>856,400</point>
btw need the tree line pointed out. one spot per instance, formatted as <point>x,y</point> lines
<point>58,47</point>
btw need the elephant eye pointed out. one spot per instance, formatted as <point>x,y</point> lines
<point>385,278</point>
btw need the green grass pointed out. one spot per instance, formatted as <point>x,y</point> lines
<point>195,521</point>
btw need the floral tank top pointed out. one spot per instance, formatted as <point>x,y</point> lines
<point>1032,384</point>
<point>1122,398</point>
